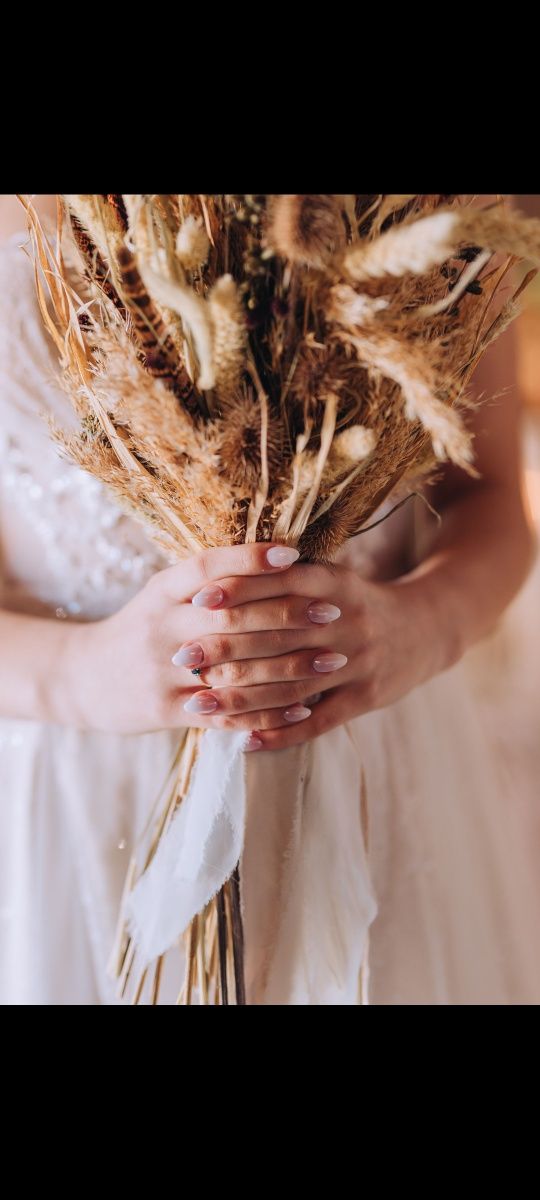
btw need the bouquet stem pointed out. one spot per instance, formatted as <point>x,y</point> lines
<point>215,938</point>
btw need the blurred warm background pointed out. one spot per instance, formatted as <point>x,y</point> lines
<point>505,669</point>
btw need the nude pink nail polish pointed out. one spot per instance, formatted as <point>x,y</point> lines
<point>297,712</point>
<point>203,704</point>
<point>254,742</point>
<point>209,597</point>
<point>322,614</point>
<point>188,656</point>
<point>282,556</point>
<point>329,662</point>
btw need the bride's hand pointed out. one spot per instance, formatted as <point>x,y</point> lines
<point>290,657</point>
<point>117,675</point>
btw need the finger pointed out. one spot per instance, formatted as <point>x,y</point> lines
<point>268,718</point>
<point>282,612</point>
<point>302,579</point>
<point>208,652</point>
<point>283,668</point>
<point>234,700</point>
<point>263,719</point>
<point>202,570</point>
<point>334,709</point>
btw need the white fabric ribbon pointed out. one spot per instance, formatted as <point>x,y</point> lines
<point>199,851</point>
<point>306,889</point>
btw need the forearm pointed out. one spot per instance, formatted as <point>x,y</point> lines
<point>474,568</point>
<point>35,670</point>
<point>484,547</point>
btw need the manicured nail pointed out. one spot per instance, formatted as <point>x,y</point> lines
<point>322,614</point>
<point>254,742</point>
<point>209,597</point>
<point>282,556</point>
<point>297,713</point>
<point>329,662</point>
<point>314,699</point>
<point>203,704</point>
<point>188,656</point>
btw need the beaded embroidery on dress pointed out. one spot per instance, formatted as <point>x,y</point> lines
<point>72,803</point>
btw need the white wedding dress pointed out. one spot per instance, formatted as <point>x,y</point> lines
<point>412,791</point>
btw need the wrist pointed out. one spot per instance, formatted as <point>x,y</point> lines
<point>68,675</point>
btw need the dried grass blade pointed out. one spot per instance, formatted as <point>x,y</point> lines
<point>327,433</point>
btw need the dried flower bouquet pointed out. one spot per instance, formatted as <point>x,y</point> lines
<point>271,366</point>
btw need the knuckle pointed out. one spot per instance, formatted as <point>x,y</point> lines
<point>360,605</point>
<point>370,690</point>
<point>247,559</point>
<point>291,667</point>
<point>234,700</point>
<point>220,651</point>
<point>286,611</point>
<point>296,690</point>
<point>225,619</point>
<point>228,721</point>
<point>204,564</point>
<point>266,719</point>
<point>238,672</point>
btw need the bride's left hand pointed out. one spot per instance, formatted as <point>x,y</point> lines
<point>362,646</point>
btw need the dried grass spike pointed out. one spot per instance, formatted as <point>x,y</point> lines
<point>230,336</point>
<point>192,244</point>
<point>405,249</point>
<point>195,314</point>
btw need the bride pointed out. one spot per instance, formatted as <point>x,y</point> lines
<point>99,640</point>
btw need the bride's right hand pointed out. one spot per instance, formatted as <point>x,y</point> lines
<point>118,672</point>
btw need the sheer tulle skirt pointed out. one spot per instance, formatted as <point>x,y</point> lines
<point>455,886</point>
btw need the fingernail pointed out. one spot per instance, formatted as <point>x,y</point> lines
<point>329,662</point>
<point>297,713</point>
<point>202,703</point>
<point>322,614</point>
<point>253,742</point>
<point>282,556</point>
<point>209,597</point>
<point>188,656</point>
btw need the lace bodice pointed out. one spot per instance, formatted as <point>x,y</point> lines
<point>66,546</point>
